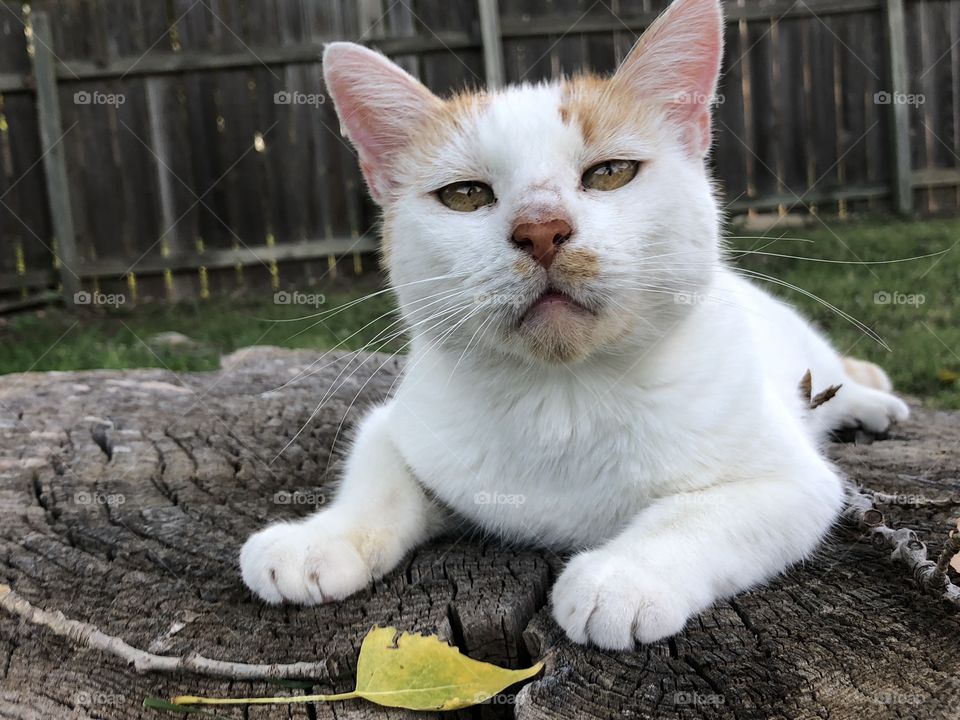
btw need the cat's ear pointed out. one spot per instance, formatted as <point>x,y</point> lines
<point>379,106</point>
<point>677,62</point>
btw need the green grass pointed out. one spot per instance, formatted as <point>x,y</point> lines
<point>918,321</point>
<point>125,337</point>
<point>923,334</point>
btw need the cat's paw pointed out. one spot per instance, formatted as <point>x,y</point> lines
<point>608,601</point>
<point>302,563</point>
<point>873,410</point>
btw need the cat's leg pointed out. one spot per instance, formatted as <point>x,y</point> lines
<point>857,405</point>
<point>380,512</point>
<point>682,553</point>
<point>865,397</point>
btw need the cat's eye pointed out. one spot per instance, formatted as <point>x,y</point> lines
<point>466,196</point>
<point>610,175</point>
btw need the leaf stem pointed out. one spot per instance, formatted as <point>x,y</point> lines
<point>194,700</point>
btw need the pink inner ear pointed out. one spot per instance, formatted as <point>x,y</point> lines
<point>379,106</point>
<point>677,61</point>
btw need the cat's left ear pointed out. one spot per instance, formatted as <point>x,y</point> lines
<point>379,105</point>
<point>677,62</point>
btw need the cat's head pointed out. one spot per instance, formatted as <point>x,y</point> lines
<point>548,221</point>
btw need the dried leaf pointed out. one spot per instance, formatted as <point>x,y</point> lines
<point>821,397</point>
<point>955,562</point>
<point>806,387</point>
<point>407,670</point>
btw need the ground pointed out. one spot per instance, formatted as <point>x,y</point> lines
<point>912,305</point>
<point>125,497</point>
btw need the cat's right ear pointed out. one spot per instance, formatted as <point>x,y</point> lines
<point>379,106</point>
<point>677,62</point>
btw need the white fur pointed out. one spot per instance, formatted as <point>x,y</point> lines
<point>675,453</point>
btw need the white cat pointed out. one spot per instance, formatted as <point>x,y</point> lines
<point>586,372</point>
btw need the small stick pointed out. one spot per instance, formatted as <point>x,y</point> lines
<point>906,547</point>
<point>143,661</point>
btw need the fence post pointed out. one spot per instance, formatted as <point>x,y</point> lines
<point>492,43</point>
<point>899,111</point>
<point>370,17</point>
<point>54,159</point>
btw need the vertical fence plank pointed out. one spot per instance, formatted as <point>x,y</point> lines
<point>54,164</point>
<point>900,119</point>
<point>492,45</point>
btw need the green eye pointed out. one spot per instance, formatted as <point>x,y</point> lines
<point>610,175</point>
<point>466,196</point>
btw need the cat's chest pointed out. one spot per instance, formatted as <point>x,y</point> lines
<point>557,468</point>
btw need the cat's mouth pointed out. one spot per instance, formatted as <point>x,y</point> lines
<point>553,302</point>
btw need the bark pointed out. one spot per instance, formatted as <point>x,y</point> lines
<point>124,497</point>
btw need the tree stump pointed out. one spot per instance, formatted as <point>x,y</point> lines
<point>125,496</point>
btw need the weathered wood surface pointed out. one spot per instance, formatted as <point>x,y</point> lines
<point>124,497</point>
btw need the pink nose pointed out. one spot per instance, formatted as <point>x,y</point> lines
<point>541,240</point>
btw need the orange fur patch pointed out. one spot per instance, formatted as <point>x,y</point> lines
<point>525,267</point>
<point>577,264</point>
<point>867,373</point>
<point>601,108</point>
<point>450,116</point>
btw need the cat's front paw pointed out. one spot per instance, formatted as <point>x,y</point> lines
<point>609,601</point>
<point>302,563</point>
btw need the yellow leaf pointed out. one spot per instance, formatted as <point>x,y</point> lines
<point>407,670</point>
<point>947,376</point>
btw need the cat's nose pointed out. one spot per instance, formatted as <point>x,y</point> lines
<point>541,240</point>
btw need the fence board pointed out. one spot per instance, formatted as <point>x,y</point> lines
<point>199,82</point>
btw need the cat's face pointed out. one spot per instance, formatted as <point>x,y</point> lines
<point>551,221</point>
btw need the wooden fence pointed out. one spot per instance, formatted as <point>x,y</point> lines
<point>184,148</point>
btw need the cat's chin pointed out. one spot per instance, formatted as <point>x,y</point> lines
<point>555,328</point>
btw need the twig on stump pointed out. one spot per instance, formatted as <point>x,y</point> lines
<point>907,548</point>
<point>142,661</point>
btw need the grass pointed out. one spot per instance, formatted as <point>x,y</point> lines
<point>914,306</point>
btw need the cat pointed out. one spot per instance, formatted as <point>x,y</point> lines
<point>586,372</point>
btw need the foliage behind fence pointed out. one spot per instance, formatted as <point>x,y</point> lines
<point>200,155</point>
